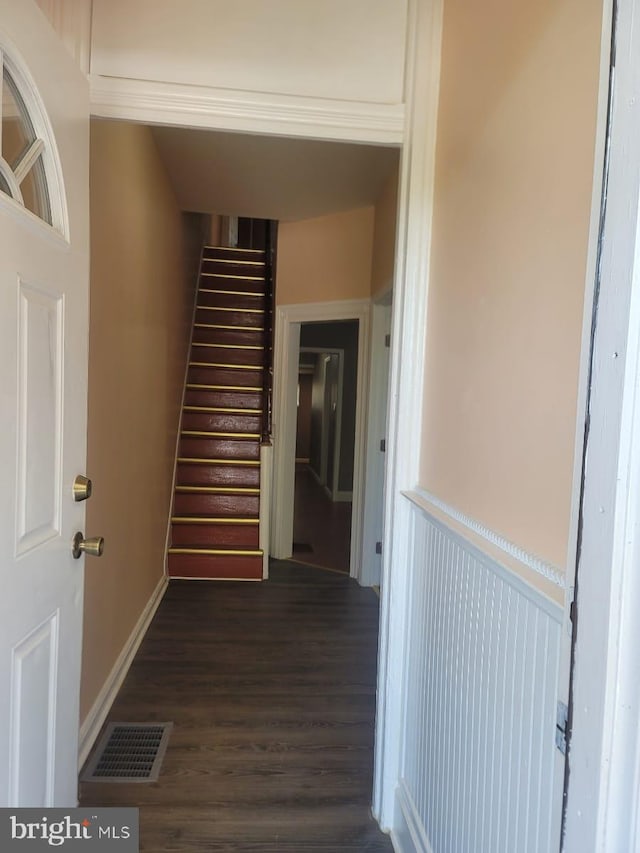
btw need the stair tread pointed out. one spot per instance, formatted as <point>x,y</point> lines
<point>211,248</point>
<point>222,490</point>
<point>228,410</point>
<point>210,519</point>
<point>199,460</point>
<point>240,552</point>
<point>250,266</point>
<point>227,308</point>
<point>235,436</point>
<point>225,346</point>
<point>198,386</point>
<point>230,366</point>
<point>227,327</point>
<point>252,293</point>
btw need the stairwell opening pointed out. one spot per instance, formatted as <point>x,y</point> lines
<point>215,522</point>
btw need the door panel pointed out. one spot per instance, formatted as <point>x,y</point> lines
<point>39,403</point>
<point>43,369</point>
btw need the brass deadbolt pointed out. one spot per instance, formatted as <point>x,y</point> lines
<point>81,488</point>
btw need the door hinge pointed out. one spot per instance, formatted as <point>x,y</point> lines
<point>383,445</point>
<point>562,715</point>
<point>387,340</point>
<point>378,547</point>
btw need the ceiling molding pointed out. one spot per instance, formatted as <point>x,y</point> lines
<point>243,111</point>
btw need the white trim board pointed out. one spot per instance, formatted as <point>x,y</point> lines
<point>409,321</point>
<point>409,834</point>
<point>266,464</point>
<point>93,722</point>
<point>187,105</point>
<point>288,319</point>
<point>373,530</point>
<point>604,750</point>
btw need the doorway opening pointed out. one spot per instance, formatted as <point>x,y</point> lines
<point>330,340</point>
<point>325,443</point>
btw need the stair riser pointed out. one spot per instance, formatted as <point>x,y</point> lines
<point>230,318</point>
<point>225,376</point>
<point>252,337</point>
<point>239,506</point>
<point>227,355</point>
<point>232,399</point>
<point>230,300</point>
<point>221,253</point>
<point>225,268</point>
<point>239,536</point>
<point>220,422</point>
<point>189,474</point>
<point>219,448</point>
<point>215,567</point>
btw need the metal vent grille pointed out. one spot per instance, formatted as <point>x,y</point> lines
<point>129,752</point>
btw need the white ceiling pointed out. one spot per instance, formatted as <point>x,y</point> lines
<point>267,177</point>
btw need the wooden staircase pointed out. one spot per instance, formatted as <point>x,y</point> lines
<point>216,507</point>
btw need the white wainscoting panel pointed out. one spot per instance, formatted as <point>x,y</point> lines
<point>479,769</point>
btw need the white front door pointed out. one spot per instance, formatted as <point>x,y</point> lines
<point>44,268</point>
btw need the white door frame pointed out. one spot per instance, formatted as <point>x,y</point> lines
<point>376,431</point>
<point>406,381</point>
<point>603,798</point>
<point>288,319</point>
<point>334,493</point>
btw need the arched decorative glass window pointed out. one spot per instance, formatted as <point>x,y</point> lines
<point>26,148</point>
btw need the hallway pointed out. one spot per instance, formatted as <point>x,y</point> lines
<point>271,689</point>
<point>321,527</point>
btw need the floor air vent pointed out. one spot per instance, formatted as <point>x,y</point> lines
<point>129,752</point>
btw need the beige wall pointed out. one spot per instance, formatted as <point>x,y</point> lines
<point>327,258</point>
<point>516,135</point>
<point>143,252</point>
<point>215,231</point>
<point>350,51</point>
<point>384,237</point>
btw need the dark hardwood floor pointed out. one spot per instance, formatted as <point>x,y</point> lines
<point>271,689</point>
<point>321,525</point>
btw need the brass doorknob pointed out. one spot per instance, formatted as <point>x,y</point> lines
<point>93,547</point>
<point>81,488</point>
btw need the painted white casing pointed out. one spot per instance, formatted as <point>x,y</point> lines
<point>288,319</point>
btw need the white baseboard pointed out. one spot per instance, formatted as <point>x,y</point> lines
<point>342,495</point>
<point>409,834</point>
<point>90,728</point>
